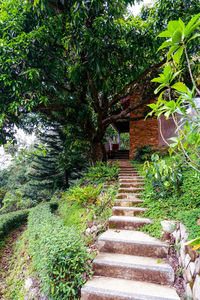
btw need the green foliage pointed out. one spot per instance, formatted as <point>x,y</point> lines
<point>190,219</point>
<point>102,173</point>
<point>180,95</point>
<point>164,178</point>
<point>3,192</point>
<point>20,192</point>
<point>58,253</point>
<point>11,221</point>
<point>15,201</point>
<point>143,153</point>
<point>124,141</point>
<point>79,205</point>
<point>181,205</point>
<point>84,195</point>
<point>13,285</point>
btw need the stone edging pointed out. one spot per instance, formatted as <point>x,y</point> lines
<point>189,260</point>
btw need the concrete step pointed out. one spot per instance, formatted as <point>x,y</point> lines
<point>130,190</point>
<point>124,222</point>
<point>128,196</point>
<point>131,184</point>
<point>127,168</point>
<point>127,211</point>
<point>132,180</point>
<point>128,173</point>
<point>136,177</point>
<point>131,243</point>
<point>133,268</point>
<point>106,288</point>
<point>128,202</point>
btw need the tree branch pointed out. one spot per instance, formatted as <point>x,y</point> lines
<point>122,114</point>
<point>130,84</point>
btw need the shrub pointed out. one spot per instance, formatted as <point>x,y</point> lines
<point>58,253</point>
<point>15,201</point>
<point>11,221</point>
<point>102,172</point>
<point>143,153</point>
<point>164,178</point>
<point>84,195</point>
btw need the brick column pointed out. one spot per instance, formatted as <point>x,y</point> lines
<point>142,132</point>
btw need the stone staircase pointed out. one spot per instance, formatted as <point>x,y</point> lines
<point>130,263</point>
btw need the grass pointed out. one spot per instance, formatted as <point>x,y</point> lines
<point>182,206</point>
<point>75,214</point>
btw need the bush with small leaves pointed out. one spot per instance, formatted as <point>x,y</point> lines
<point>58,253</point>
<point>11,221</point>
<point>102,173</point>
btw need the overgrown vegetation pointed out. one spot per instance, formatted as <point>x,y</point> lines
<point>57,242</point>
<point>87,206</point>
<point>58,253</point>
<point>165,201</point>
<point>101,173</point>
<point>11,221</point>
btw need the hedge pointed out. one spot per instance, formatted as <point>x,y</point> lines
<point>11,221</point>
<point>15,219</point>
<point>58,254</point>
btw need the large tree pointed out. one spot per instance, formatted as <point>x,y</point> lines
<point>72,61</point>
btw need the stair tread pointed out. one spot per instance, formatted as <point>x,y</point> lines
<point>130,208</point>
<point>136,194</point>
<point>130,236</point>
<point>129,200</point>
<point>130,189</point>
<point>127,289</point>
<point>132,261</point>
<point>129,219</point>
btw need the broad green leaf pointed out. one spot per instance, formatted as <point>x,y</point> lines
<point>160,96</point>
<point>165,45</point>
<point>167,70</point>
<point>177,36</point>
<point>196,35</point>
<point>165,33</point>
<point>194,242</point>
<point>172,49</point>
<point>178,54</point>
<point>190,24</point>
<point>159,88</point>
<point>167,114</point>
<point>175,74</point>
<point>181,23</point>
<point>195,26</point>
<point>158,79</point>
<point>173,26</point>
<point>180,87</point>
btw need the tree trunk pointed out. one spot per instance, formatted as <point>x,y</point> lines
<point>98,151</point>
<point>66,178</point>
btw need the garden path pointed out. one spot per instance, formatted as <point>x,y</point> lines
<point>130,263</point>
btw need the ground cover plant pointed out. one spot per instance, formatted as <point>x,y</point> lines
<point>11,221</point>
<point>55,244</point>
<point>167,202</point>
<point>94,208</point>
<point>101,173</point>
<point>58,254</point>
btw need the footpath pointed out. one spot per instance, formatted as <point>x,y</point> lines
<point>130,263</point>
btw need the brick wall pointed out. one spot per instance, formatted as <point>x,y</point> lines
<point>142,132</point>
